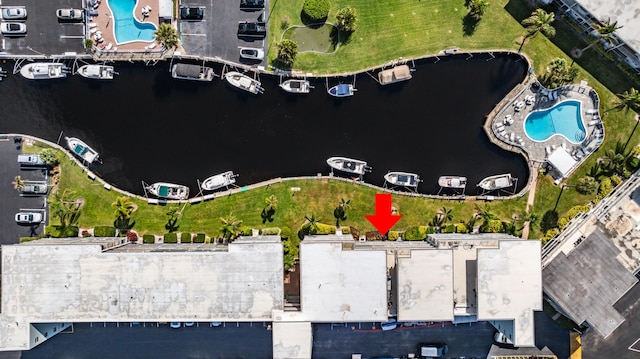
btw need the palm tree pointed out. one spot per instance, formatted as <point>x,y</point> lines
<point>230,227</point>
<point>484,212</point>
<point>287,52</point>
<point>445,214</point>
<point>312,223</point>
<point>346,19</point>
<point>558,73</point>
<point>124,207</point>
<point>477,8</point>
<point>64,206</point>
<point>613,161</point>
<point>271,203</point>
<point>18,183</point>
<point>604,32</point>
<point>539,21</point>
<point>166,36</point>
<point>341,211</point>
<point>627,100</point>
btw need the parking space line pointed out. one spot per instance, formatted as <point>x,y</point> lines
<point>71,37</point>
<point>183,34</point>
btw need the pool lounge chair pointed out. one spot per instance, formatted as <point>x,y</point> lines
<point>550,95</point>
<point>591,111</point>
<point>109,46</point>
<point>555,95</point>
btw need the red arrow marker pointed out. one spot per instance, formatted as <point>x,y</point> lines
<point>383,220</point>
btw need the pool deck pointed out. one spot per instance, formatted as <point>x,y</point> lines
<point>105,20</point>
<point>516,107</point>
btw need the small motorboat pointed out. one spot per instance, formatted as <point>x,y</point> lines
<point>44,70</point>
<point>95,71</point>
<point>192,72</point>
<point>404,179</point>
<point>452,181</point>
<point>348,165</point>
<point>497,182</point>
<point>218,181</point>
<point>342,90</point>
<point>169,190</point>
<point>243,82</point>
<point>81,149</point>
<point>296,86</point>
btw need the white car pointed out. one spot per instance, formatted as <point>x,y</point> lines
<point>14,13</point>
<point>251,53</point>
<point>28,217</point>
<point>175,325</point>
<point>390,325</point>
<point>13,28</point>
<point>69,14</point>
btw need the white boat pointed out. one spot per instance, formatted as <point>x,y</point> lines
<point>395,74</point>
<point>497,182</point>
<point>402,179</point>
<point>169,190</point>
<point>218,181</point>
<point>296,86</point>
<point>342,90</point>
<point>452,181</point>
<point>95,71</point>
<point>243,82</point>
<point>348,165</point>
<point>192,72</point>
<point>43,70</point>
<point>81,149</point>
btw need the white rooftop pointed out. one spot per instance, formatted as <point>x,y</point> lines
<point>425,285</point>
<point>339,285</point>
<point>561,161</point>
<point>624,12</point>
<point>292,340</point>
<point>510,286</point>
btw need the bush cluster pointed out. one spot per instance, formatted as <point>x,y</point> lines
<point>104,231</point>
<point>415,233</point>
<point>199,238</point>
<point>574,211</point>
<point>316,11</point>
<point>148,238</point>
<point>185,237</point>
<point>393,235</point>
<point>270,231</point>
<point>61,232</point>
<point>170,237</point>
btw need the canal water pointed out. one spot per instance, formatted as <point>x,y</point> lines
<point>150,127</point>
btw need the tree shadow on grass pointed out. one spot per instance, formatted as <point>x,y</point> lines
<point>549,220</point>
<point>312,23</point>
<point>469,24</point>
<point>339,37</point>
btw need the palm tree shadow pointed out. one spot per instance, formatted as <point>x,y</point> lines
<point>469,24</point>
<point>339,37</point>
<point>267,215</point>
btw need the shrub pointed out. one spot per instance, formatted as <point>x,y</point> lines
<point>50,157</point>
<point>62,232</point>
<point>85,233</point>
<point>285,233</point>
<point>270,231</point>
<point>563,222</point>
<point>587,185</point>
<point>246,231</point>
<point>185,237</point>
<point>616,180</point>
<point>323,229</point>
<point>393,235</point>
<point>450,228</point>
<point>414,234</point>
<point>170,237</point>
<point>316,10</point>
<point>199,238</point>
<point>104,231</point>
<point>346,19</point>
<point>549,234</point>
<point>148,238</point>
<point>346,230</point>
<point>492,226</point>
<point>431,230</point>
<point>132,236</point>
<point>461,228</point>
<point>422,230</point>
<point>27,239</point>
<point>603,190</point>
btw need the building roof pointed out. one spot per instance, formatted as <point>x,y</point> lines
<point>510,286</point>
<point>425,285</point>
<point>341,285</point>
<point>588,281</point>
<point>561,161</point>
<point>81,283</point>
<point>624,12</point>
<point>292,340</point>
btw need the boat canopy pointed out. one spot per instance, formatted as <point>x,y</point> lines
<point>188,70</point>
<point>343,89</point>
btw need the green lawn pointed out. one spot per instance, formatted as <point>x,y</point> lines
<point>386,31</point>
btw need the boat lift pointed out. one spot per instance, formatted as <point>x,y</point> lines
<point>394,63</point>
<point>455,190</point>
<point>18,65</point>
<point>3,74</point>
<point>353,83</point>
<point>255,76</point>
<point>204,63</point>
<point>413,189</point>
<point>509,191</point>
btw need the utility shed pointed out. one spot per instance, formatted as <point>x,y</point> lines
<point>339,284</point>
<point>510,286</point>
<point>588,281</point>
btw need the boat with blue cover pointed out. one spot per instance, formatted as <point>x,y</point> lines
<point>342,90</point>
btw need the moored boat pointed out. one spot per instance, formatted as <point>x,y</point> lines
<point>168,190</point>
<point>96,71</point>
<point>296,86</point>
<point>342,90</point>
<point>348,165</point>
<point>192,72</point>
<point>80,149</point>
<point>402,179</point>
<point>43,70</point>
<point>395,74</point>
<point>452,181</point>
<point>497,182</point>
<point>218,181</point>
<point>243,82</point>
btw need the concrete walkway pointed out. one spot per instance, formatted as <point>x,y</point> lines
<point>530,199</point>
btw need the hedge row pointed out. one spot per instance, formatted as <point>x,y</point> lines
<point>104,231</point>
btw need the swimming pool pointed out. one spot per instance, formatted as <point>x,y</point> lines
<point>126,27</point>
<point>563,119</point>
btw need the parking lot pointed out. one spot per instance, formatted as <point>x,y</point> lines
<point>216,35</point>
<point>46,36</point>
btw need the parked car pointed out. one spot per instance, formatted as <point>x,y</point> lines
<point>34,189</point>
<point>251,53</point>
<point>13,28</point>
<point>28,217</point>
<point>500,338</point>
<point>192,13</point>
<point>390,325</point>
<point>69,14</point>
<point>30,160</point>
<point>251,4</point>
<point>432,350</point>
<point>189,324</point>
<point>14,13</point>
<point>175,325</point>
<point>252,29</point>
<point>215,324</point>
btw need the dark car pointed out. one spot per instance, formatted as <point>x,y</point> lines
<point>191,13</point>
<point>251,4</point>
<point>252,29</point>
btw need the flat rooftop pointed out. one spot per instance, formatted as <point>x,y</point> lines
<point>588,281</point>
<point>624,12</point>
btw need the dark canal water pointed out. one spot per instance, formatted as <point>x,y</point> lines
<point>150,127</point>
